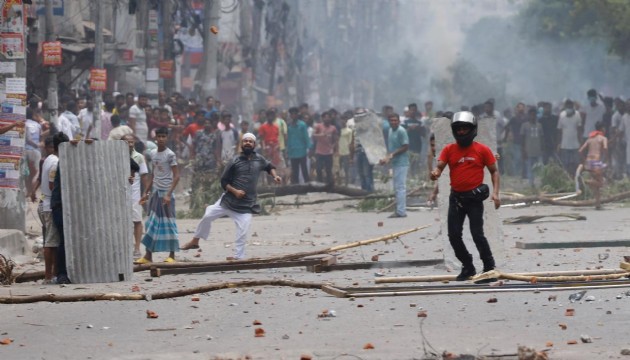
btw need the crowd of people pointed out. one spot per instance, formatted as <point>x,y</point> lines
<point>303,145</point>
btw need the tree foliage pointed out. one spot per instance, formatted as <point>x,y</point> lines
<point>593,19</point>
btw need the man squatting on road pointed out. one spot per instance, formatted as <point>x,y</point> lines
<point>239,181</point>
<point>466,160</point>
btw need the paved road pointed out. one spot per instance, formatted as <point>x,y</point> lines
<point>220,324</point>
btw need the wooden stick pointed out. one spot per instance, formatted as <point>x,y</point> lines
<point>158,295</point>
<point>538,279</point>
<point>391,204</point>
<point>496,289</point>
<point>36,276</point>
<point>431,278</point>
<point>371,241</point>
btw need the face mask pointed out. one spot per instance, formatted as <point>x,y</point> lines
<point>570,112</point>
<point>592,99</point>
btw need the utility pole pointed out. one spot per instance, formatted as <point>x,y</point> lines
<point>53,85</point>
<point>211,16</point>
<point>12,194</point>
<point>98,64</point>
<point>167,41</point>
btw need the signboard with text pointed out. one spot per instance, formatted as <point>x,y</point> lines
<point>166,69</point>
<point>98,79</point>
<point>51,51</point>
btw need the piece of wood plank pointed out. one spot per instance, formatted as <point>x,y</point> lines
<point>329,289</point>
<point>156,272</point>
<point>431,278</point>
<point>496,289</point>
<point>571,244</point>
<point>625,265</point>
<point>378,265</point>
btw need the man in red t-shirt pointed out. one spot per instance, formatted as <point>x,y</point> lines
<point>269,135</point>
<point>466,160</point>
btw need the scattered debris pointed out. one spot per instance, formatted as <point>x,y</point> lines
<point>563,326</point>
<point>492,300</point>
<point>526,353</point>
<point>256,322</point>
<point>603,256</point>
<point>589,298</point>
<point>6,341</point>
<point>528,219</point>
<point>151,315</point>
<point>422,314</point>
<point>571,342</point>
<point>577,296</point>
<point>586,339</point>
<point>374,257</point>
<point>259,332</point>
<point>327,314</point>
<point>552,298</point>
<point>625,351</point>
<point>368,346</point>
<point>569,312</point>
<point>6,270</point>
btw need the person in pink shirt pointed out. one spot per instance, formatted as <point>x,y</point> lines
<point>325,137</point>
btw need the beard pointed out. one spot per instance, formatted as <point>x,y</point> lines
<point>247,150</point>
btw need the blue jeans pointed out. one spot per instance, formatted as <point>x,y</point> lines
<point>400,188</point>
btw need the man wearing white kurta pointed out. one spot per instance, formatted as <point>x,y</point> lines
<point>239,181</point>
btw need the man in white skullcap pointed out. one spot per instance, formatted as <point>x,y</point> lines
<point>239,181</point>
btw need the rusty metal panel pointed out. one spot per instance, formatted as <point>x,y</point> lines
<point>96,213</point>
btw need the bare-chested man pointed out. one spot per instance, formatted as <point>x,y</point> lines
<point>596,147</point>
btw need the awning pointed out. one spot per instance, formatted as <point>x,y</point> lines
<point>76,48</point>
<point>90,26</point>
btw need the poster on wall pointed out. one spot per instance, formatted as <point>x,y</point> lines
<point>12,16</point>
<point>12,45</point>
<point>10,172</point>
<point>12,142</point>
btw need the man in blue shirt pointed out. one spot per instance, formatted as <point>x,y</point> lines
<point>298,143</point>
<point>398,144</point>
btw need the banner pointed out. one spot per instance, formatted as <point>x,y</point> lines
<point>51,51</point>
<point>167,69</point>
<point>98,79</point>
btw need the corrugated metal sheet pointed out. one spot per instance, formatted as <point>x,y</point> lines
<point>96,214</point>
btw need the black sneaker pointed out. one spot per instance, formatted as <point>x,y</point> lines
<point>467,273</point>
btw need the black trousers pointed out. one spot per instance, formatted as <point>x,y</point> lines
<point>297,165</point>
<point>458,209</point>
<point>57,218</point>
<point>325,163</point>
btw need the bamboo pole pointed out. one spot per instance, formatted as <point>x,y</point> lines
<point>34,276</point>
<point>433,278</point>
<point>155,296</point>
<point>497,289</point>
<point>538,279</point>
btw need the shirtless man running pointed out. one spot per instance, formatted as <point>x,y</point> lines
<point>596,147</point>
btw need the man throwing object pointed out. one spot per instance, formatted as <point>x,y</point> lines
<point>239,181</point>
